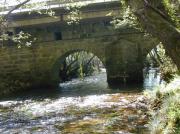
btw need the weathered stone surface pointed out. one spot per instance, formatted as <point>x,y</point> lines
<point>38,66</point>
<point>122,52</point>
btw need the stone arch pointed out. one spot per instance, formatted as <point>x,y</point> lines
<point>55,68</point>
<point>154,60</point>
<point>150,44</point>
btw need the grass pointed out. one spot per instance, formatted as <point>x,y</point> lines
<point>165,108</point>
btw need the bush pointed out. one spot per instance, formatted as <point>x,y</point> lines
<point>165,107</point>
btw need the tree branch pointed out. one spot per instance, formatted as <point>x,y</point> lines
<point>147,4</point>
<point>15,7</point>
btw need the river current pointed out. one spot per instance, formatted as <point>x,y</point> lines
<point>85,106</point>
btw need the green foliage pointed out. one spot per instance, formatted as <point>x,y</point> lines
<point>172,8</point>
<point>167,68</point>
<point>166,108</point>
<point>169,8</point>
<point>20,39</point>
<point>74,16</point>
<point>23,39</point>
<point>79,65</point>
<point>158,58</point>
<point>126,18</point>
<point>4,37</point>
<point>37,7</point>
<point>75,13</point>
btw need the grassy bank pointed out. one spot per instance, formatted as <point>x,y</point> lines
<point>165,108</point>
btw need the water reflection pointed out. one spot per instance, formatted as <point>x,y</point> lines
<point>79,106</point>
<point>152,78</point>
<point>92,85</point>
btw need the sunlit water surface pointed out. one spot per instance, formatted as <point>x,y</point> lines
<point>79,107</point>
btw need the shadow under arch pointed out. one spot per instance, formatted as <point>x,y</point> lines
<point>55,78</point>
<point>156,53</point>
<point>158,62</point>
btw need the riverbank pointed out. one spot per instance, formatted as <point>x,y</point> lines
<point>165,108</point>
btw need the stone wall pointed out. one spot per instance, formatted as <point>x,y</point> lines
<point>38,65</point>
<point>122,51</point>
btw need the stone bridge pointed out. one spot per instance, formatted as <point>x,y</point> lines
<point>122,51</point>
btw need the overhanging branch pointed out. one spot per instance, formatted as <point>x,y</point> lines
<point>15,7</point>
<point>157,11</point>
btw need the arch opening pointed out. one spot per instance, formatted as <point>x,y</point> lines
<point>159,65</point>
<point>78,64</point>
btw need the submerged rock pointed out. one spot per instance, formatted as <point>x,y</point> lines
<point>119,113</point>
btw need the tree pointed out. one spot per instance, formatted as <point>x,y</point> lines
<point>19,38</point>
<point>78,65</point>
<point>158,58</point>
<point>160,18</point>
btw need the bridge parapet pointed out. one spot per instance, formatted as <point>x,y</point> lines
<point>35,5</point>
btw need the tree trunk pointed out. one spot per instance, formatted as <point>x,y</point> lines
<point>157,24</point>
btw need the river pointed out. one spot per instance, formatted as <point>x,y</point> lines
<point>78,107</point>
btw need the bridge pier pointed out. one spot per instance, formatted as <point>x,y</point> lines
<point>124,63</point>
<point>118,76</point>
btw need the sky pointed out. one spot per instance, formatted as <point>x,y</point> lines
<point>9,3</point>
<point>14,2</point>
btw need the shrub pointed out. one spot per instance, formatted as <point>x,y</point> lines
<point>165,107</point>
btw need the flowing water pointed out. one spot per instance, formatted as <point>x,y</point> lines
<point>78,107</point>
